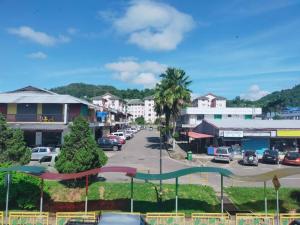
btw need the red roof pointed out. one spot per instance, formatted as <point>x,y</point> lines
<point>68,176</point>
<point>198,135</point>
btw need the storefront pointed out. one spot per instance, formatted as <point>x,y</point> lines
<point>256,135</point>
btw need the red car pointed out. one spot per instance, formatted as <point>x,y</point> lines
<point>292,158</point>
<point>118,139</point>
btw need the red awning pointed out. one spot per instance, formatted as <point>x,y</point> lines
<point>198,135</point>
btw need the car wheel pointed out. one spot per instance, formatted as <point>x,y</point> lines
<point>115,148</point>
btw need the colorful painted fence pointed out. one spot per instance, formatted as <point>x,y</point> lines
<point>63,217</point>
<point>210,219</point>
<point>254,219</point>
<point>28,218</point>
<point>286,219</point>
<point>165,218</point>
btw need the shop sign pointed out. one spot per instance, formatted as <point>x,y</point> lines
<point>288,133</point>
<point>273,133</point>
<point>276,182</point>
<point>257,134</point>
<point>233,133</point>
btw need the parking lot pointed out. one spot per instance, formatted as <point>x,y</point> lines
<point>142,152</point>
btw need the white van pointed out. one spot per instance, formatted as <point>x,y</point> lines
<point>119,134</point>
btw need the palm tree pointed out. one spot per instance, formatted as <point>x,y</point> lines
<point>171,95</point>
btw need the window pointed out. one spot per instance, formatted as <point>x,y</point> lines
<point>217,117</point>
<point>248,117</point>
<point>229,115</point>
<point>43,150</point>
<point>149,114</point>
<point>200,117</point>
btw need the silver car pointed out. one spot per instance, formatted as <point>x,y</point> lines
<point>39,152</point>
<point>224,154</point>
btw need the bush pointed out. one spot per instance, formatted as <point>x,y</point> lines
<point>24,191</point>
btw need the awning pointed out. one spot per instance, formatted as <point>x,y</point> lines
<point>198,135</point>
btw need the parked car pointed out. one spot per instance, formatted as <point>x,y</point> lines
<point>109,144</point>
<point>117,138</point>
<point>48,160</point>
<point>135,130</point>
<point>39,152</point>
<point>119,134</point>
<point>126,134</point>
<point>116,218</point>
<point>292,158</point>
<point>224,154</point>
<point>270,156</point>
<point>250,158</point>
<point>295,222</point>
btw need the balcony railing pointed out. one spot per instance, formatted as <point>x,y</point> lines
<point>34,118</point>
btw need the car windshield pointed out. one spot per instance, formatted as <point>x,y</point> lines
<point>221,151</point>
<point>270,152</point>
<point>250,153</point>
<point>294,154</point>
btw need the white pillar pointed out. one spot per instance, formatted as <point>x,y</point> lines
<point>65,113</point>
<point>38,138</point>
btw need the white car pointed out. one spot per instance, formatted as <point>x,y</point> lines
<point>133,129</point>
<point>119,134</point>
<point>39,152</point>
<point>48,160</point>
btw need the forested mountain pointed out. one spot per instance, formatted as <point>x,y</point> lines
<point>273,102</point>
<point>88,91</point>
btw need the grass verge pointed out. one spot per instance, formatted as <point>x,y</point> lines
<point>248,198</point>
<point>192,198</point>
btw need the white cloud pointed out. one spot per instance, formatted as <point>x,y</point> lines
<point>37,36</point>
<point>37,55</point>
<point>72,30</point>
<point>153,25</point>
<point>254,93</point>
<point>130,71</point>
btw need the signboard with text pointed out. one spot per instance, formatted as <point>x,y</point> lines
<point>233,133</point>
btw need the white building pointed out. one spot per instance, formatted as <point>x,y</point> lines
<point>109,101</point>
<point>150,114</point>
<point>135,107</point>
<point>213,107</point>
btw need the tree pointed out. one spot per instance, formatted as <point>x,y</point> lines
<point>16,151</point>
<point>171,95</point>
<point>140,120</point>
<point>80,151</point>
<point>13,149</point>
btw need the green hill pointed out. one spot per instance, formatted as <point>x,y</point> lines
<point>273,102</point>
<point>88,91</point>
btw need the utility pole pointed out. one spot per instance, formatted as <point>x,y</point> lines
<point>160,161</point>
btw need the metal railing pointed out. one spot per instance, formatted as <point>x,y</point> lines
<point>34,117</point>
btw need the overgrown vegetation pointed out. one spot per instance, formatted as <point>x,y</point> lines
<point>80,151</point>
<point>13,149</point>
<point>247,198</point>
<point>24,191</point>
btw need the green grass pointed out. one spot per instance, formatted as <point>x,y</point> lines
<point>192,198</point>
<point>247,198</point>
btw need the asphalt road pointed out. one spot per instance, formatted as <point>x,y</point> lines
<point>142,152</point>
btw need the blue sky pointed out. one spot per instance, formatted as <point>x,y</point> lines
<point>231,48</point>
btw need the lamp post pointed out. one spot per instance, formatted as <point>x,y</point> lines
<point>160,159</point>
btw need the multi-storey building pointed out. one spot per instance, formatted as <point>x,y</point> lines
<point>110,101</point>
<point>149,111</point>
<point>136,107</point>
<point>214,107</point>
<point>43,115</point>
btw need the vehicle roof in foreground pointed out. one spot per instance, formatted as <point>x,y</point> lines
<point>118,219</point>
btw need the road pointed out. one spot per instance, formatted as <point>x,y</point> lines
<point>142,152</point>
